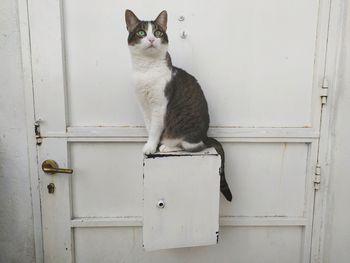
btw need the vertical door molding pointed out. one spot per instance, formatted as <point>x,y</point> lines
<point>47,47</point>
<point>334,36</point>
<point>30,119</point>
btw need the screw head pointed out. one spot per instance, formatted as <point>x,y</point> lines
<point>181,18</point>
<point>183,34</point>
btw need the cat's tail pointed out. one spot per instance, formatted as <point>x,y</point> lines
<point>224,188</point>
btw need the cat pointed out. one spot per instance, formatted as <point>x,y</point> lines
<point>174,107</point>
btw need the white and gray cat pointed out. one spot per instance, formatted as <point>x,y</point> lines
<point>173,104</point>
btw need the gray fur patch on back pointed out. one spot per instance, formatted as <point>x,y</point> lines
<point>187,110</point>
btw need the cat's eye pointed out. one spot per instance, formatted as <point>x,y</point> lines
<point>158,33</point>
<point>141,33</point>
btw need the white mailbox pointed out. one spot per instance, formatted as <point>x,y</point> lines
<point>181,199</point>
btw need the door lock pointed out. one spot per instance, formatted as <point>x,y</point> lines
<point>51,167</point>
<point>51,188</point>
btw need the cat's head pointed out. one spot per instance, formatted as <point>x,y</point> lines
<point>147,38</point>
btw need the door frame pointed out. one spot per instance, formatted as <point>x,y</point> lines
<point>24,27</point>
<point>329,30</point>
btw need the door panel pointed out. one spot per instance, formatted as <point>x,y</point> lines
<point>261,244</point>
<point>266,179</point>
<point>106,181</point>
<point>254,59</point>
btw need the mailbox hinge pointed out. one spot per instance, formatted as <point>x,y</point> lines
<point>324,91</point>
<point>38,137</point>
<point>317,178</point>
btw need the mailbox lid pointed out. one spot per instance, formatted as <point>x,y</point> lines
<point>189,186</point>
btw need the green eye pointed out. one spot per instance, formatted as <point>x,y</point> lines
<point>158,33</point>
<point>141,33</point>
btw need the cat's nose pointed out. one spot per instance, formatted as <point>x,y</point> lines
<point>151,40</point>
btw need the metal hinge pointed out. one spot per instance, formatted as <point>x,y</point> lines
<point>317,178</point>
<point>324,91</point>
<point>38,137</point>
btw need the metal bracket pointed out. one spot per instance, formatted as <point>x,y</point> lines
<point>324,91</point>
<point>38,137</point>
<point>317,178</point>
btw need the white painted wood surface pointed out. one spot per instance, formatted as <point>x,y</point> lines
<point>188,186</point>
<point>251,174</point>
<point>30,119</point>
<point>56,207</point>
<point>262,85</point>
<point>48,65</point>
<point>237,244</point>
<point>270,69</point>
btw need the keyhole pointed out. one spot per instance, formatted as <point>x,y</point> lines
<point>51,188</point>
<point>161,204</point>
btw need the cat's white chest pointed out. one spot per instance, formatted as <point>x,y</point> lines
<point>150,82</point>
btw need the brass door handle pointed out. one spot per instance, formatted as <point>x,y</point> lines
<point>51,167</point>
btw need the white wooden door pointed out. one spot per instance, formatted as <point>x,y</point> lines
<point>260,64</point>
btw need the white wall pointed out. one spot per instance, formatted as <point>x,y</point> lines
<point>16,224</point>
<point>337,238</point>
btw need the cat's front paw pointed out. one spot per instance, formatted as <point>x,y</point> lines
<point>166,149</point>
<point>149,148</point>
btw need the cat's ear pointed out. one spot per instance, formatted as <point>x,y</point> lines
<point>162,20</point>
<point>131,20</point>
